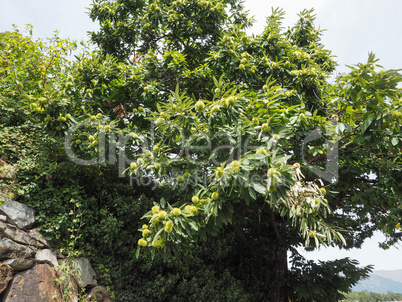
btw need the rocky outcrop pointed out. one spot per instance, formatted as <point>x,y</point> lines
<point>84,271</point>
<point>69,286</point>
<point>46,256</point>
<point>31,271</point>
<point>98,294</point>
<point>10,249</point>
<point>8,191</point>
<point>17,213</point>
<point>6,274</point>
<point>14,233</point>
<point>7,171</point>
<point>19,264</point>
<point>34,284</point>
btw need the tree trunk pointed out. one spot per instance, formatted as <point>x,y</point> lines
<point>279,267</point>
<point>273,263</point>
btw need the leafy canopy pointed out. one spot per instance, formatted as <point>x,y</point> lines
<point>224,125</point>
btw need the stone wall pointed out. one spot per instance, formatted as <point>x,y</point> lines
<point>30,270</point>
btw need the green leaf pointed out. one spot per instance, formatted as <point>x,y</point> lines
<point>367,122</point>
<point>340,236</point>
<point>259,188</point>
<point>340,127</point>
<point>348,127</point>
<point>162,202</point>
<point>258,156</point>
<point>252,194</point>
<point>193,225</point>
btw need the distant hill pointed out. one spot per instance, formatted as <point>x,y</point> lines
<point>381,282</point>
<point>395,275</point>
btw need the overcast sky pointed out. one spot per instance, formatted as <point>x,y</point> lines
<point>353,29</point>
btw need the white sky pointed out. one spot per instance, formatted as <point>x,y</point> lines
<point>354,28</point>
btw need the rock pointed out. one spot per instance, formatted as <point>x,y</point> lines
<point>46,256</point>
<point>39,238</point>
<point>6,274</point>
<point>98,294</point>
<point>68,286</point>
<point>10,249</point>
<point>84,274</point>
<point>7,171</point>
<point>36,284</point>
<point>17,213</point>
<point>8,192</point>
<point>3,218</point>
<point>19,264</point>
<point>59,254</point>
<point>17,235</point>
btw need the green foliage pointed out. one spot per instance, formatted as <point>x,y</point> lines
<point>334,278</point>
<point>215,121</point>
<point>128,27</point>
<point>368,107</point>
<point>65,274</point>
<point>365,296</point>
<point>30,74</point>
